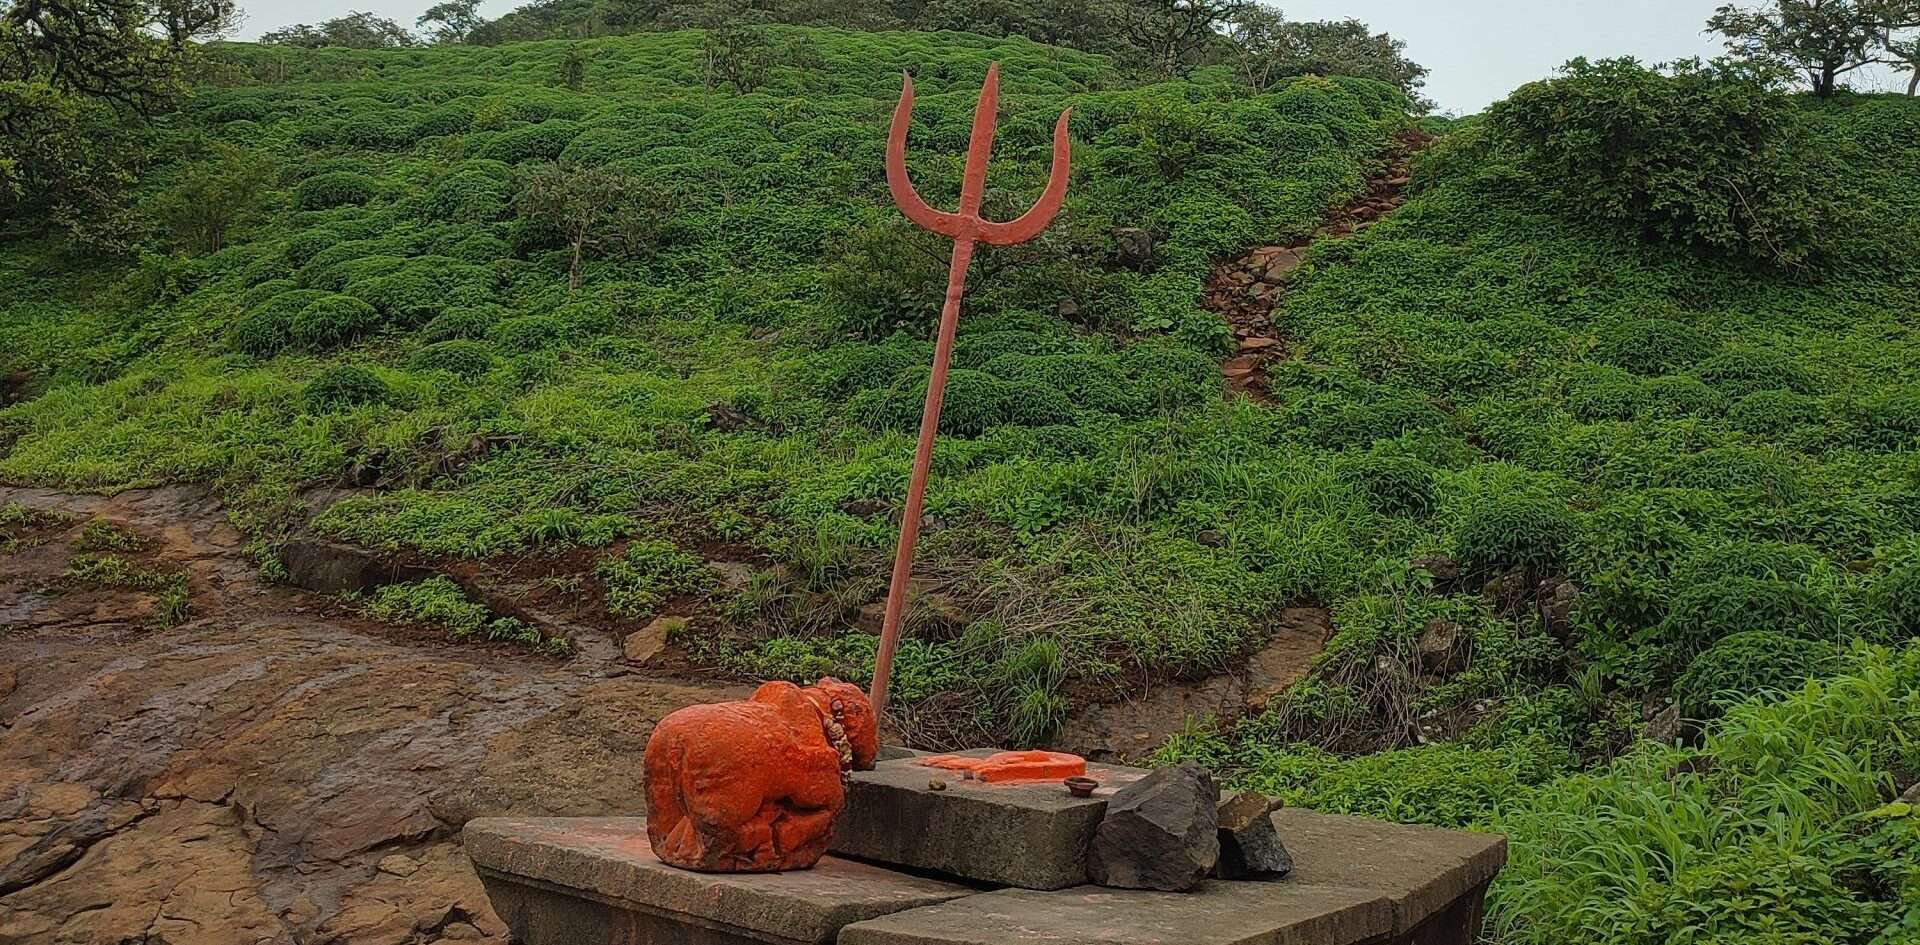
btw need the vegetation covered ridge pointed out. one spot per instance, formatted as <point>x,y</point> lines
<point>741,364</point>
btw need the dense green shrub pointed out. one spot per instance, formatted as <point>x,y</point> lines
<point>462,357</point>
<point>1514,531</point>
<point>1775,829</point>
<point>267,328</point>
<point>646,574</point>
<point>1895,597</point>
<point>1651,345</point>
<point>331,321</point>
<point>346,385</point>
<point>1774,412</point>
<point>1742,665</point>
<point>1392,485</point>
<point>338,189</point>
<point>469,196</point>
<point>1716,608</point>
<point>1740,370</point>
<point>1695,155</point>
<point>472,322</point>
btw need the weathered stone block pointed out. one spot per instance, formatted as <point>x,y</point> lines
<point>1250,846</point>
<point>1160,832</point>
<point>1218,912</point>
<point>1433,878</point>
<point>562,881</point>
<point>1030,835</point>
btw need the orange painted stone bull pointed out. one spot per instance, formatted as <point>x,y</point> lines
<point>753,786</point>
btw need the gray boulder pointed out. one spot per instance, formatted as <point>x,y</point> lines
<point>1160,832</point>
<point>1250,846</point>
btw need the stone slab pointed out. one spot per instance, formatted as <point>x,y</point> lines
<point>1354,881</point>
<point>580,879</point>
<point>1219,912</point>
<point>1032,835</point>
<point>1422,871</point>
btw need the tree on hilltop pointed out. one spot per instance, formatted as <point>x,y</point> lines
<point>1269,47</point>
<point>1171,36</point>
<point>451,21</point>
<point>77,80</point>
<point>1822,40</point>
<point>357,30</point>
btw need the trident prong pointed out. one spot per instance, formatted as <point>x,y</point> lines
<point>964,228</point>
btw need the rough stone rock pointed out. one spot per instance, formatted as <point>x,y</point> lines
<point>1558,596</point>
<point>649,641</point>
<point>1665,726</point>
<point>398,865</point>
<point>727,419</point>
<point>1133,247</point>
<point>1443,568</point>
<point>1160,832</point>
<point>866,508</point>
<point>1250,845</point>
<point>332,567</point>
<point>1280,266</point>
<point>238,778</point>
<point>1443,648</point>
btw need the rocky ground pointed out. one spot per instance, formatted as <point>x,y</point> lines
<point>270,769</point>
<point>269,765</point>
<point>1246,291</point>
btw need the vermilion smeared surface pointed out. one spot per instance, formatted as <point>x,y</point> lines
<point>1006,766</point>
<point>753,786</point>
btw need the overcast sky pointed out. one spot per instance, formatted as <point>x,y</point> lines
<point>1479,50</point>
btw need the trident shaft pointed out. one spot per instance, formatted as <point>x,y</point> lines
<point>965,228</point>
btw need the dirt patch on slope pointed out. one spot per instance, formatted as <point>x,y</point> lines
<point>1130,729</point>
<point>272,770</point>
<point>1247,290</point>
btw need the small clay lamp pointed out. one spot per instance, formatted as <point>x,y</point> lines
<point>1081,786</point>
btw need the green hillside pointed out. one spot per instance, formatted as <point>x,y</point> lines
<point>1633,477</point>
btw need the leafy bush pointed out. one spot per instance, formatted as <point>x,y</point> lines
<point>338,189</point>
<point>1742,665</point>
<point>1699,156</point>
<point>1651,345</point>
<point>1392,485</point>
<point>648,572</point>
<point>1514,531</point>
<point>331,321</point>
<point>1776,829</point>
<point>346,385</point>
<point>1894,597</point>
<point>460,323</point>
<point>439,602</point>
<point>267,329</point>
<point>462,357</point>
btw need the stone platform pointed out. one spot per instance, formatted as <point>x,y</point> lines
<point>1030,835</point>
<point>586,881</point>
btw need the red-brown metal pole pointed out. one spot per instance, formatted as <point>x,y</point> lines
<point>917,486</point>
<point>964,227</point>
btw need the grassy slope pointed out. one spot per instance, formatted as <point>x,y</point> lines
<point>1073,464</point>
<point>1706,451</point>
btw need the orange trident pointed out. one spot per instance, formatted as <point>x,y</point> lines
<point>964,228</point>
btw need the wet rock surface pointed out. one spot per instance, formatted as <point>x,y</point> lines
<point>274,769</point>
<point>1160,832</point>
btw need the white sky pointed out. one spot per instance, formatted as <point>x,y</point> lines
<point>1479,50</point>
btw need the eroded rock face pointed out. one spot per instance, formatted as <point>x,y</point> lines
<point>275,769</point>
<point>1160,832</point>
